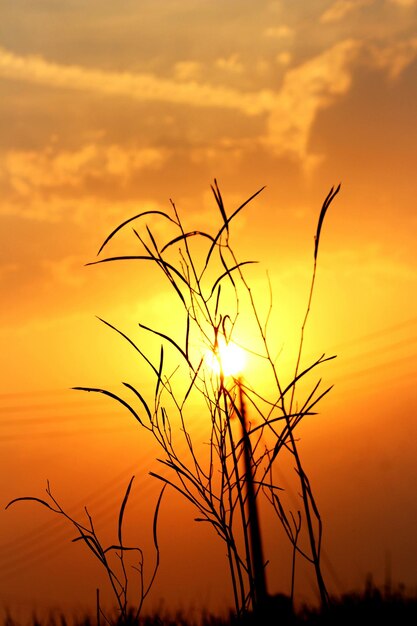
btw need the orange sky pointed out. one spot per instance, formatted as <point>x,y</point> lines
<point>107,111</point>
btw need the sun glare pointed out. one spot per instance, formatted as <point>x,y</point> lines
<point>228,358</point>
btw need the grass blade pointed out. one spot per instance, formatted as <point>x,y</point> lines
<point>332,193</point>
<point>228,273</point>
<point>171,341</point>
<point>122,511</point>
<point>185,236</point>
<point>114,397</point>
<point>139,257</point>
<point>132,343</point>
<point>219,200</point>
<point>128,221</point>
<point>33,499</point>
<point>229,219</point>
<point>141,398</point>
<point>159,373</point>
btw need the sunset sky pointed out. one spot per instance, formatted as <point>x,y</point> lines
<point>110,109</point>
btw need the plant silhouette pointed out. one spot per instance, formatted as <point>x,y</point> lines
<point>215,295</point>
<point>225,479</point>
<point>115,568</point>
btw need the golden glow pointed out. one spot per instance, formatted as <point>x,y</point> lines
<point>228,358</point>
<point>296,96</point>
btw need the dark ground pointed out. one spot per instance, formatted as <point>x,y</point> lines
<point>371,608</point>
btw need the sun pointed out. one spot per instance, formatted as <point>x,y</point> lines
<point>229,358</point>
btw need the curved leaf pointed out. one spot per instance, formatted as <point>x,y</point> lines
<point>141,398</point>
<point>229,219</point>
<point>185,236</point>
<point>132,343</point>
<point>122,510</point>
<point>114,397</point>
<point>159,373</point>
<point>219,200</point>
<point>33,499</point>
<point>171,341</point>
<point>332,193</point>
<point>131,219</point>
<point>228,272</point>
<point>140,257</point>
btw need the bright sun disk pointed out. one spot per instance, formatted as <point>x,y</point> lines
<point>228,358</point>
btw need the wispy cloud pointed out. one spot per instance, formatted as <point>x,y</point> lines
<point>289,112</point>
<point>314,85</point>
<point>51,168</point>
<point>187,70</point>
<point>55,208</point>
<point>279,32</point>
<point>341,9</point>
<point>141,87</point>
<point>54,184</point>
<point>404,3</point>
<point>393,58</point>
<point>306,90</point>
<point>230,64</point>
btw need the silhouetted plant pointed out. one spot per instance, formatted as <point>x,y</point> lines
<point>116,571</point>
<point>216,297</point>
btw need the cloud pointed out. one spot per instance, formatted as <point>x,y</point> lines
<point>393,58</point>
<point>404,3</point>
<point>283,58</point>
<point>315,85</point>
<point>32,171</point>
<point>230,64</point>
<point>279,32</point>
<point>306,90</point>
<point>289,113</point>
<point>53,184</point>
<point>187,70</point>
<point>341,8</point>
<point>141,87</point>
<point>54,208</point>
